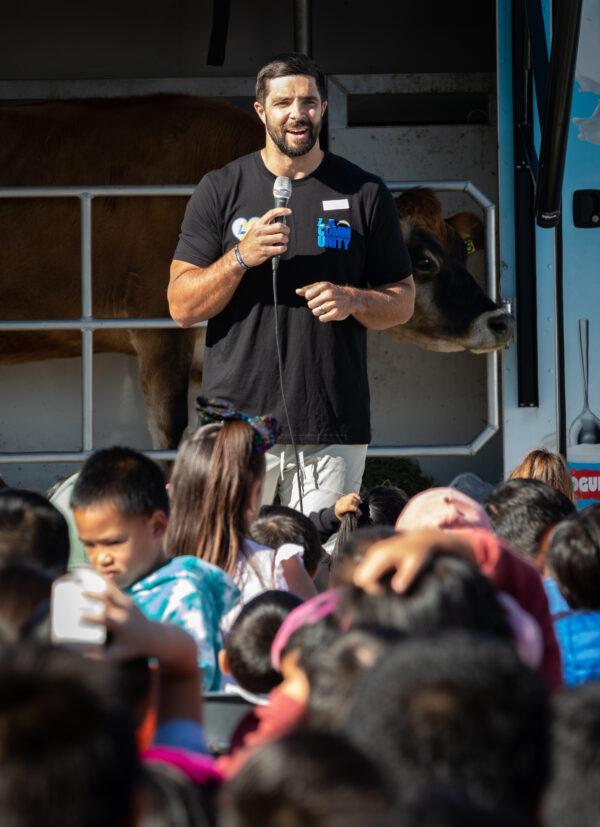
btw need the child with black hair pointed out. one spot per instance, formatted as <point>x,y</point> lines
<point>381,505</point>
<point>448,593</point>
<point>458,711</point>
<point>277,525</point>
<point>120,506</point>
<point>169,797</point>
<point>441,807</point>
<point>307,778</point>
<point>67,759</point>
<point>524,511</point>
<point>573,588</point>
<point>335,671</point>
<point>286,708</point>
<point>351,552</point>
<point>246,654</point>
<point>33,531</point>
<point>67,747</point>
<point>573,795</point>
<point>24,601</point>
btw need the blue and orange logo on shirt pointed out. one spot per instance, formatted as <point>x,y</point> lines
<point>241,226</point>
<point>332,234</point>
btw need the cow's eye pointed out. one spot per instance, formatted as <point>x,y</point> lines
<point>424,263</point>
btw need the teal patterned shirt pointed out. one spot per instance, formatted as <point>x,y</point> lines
<point>194,595</point>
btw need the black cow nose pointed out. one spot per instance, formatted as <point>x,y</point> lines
<point>499,324</point>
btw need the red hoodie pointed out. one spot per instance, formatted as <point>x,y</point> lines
<point>515,576</point>
<point>280,716</point>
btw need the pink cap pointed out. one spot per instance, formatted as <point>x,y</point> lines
<point>444,508</point>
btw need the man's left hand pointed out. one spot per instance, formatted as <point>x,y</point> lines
<point>328,302</point>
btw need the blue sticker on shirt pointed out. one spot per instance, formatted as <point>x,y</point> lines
<point>332,234</point>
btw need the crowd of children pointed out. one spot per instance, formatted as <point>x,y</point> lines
<point>435,668</point>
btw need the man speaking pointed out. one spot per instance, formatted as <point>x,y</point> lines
<point>343,268</point>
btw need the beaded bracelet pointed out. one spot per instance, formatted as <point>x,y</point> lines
<point>239,258</point>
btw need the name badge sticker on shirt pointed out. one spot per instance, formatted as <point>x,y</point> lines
<point>340,204</point>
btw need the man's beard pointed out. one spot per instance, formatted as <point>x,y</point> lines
<point>301,147</point>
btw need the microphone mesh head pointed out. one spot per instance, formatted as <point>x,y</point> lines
<point>282,188</point>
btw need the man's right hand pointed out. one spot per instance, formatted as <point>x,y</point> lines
<point>266,238</point>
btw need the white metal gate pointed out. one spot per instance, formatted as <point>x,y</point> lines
<point>87,324</point>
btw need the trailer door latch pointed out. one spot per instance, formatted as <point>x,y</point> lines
<point>586,208</point>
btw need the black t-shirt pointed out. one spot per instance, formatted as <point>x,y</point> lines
<point>344,229</point>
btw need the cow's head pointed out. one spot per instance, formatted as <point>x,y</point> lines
<point>451,311</point>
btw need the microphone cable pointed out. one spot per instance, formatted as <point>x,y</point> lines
<point>275,265</point>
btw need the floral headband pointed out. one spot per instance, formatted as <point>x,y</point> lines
<point>266,429</point>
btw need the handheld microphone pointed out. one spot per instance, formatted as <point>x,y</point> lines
<point>282,192</point>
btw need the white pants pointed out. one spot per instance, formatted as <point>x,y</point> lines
<point>328,472</point>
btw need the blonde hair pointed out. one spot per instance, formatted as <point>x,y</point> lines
<point>547,467</point>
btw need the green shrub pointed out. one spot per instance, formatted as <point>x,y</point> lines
<point>398,471</point>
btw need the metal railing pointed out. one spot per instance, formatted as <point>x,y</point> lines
<point>87,324</point>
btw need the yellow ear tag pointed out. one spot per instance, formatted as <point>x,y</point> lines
<point>470,245</point>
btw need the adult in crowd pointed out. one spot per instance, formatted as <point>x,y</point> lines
<point>547,467</point>
<point>344,268</point>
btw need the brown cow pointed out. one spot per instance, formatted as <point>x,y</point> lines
<point>164,139</point>
<point>452,312</point>
<point>170,139</point>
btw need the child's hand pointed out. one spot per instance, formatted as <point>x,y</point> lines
<point>403,557</point>
<point>131,631</point>
<point>347,503</point>
<point>134,636</point>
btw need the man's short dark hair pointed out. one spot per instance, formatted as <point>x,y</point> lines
<point>461,711</point>
<point>33,531</point>
<point>67,744</point>
<point>309,778</point>
<point>573,795</point>
<point>278,524</point>
<point>285,65</point>
<point>248,643</point>
<point>522,510</point>
<point>132,481</point>
<point>574,558</point>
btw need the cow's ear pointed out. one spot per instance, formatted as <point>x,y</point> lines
<point>470,228</point>
<point>405,222</point>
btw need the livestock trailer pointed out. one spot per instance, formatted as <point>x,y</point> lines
<point>549,243</point>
